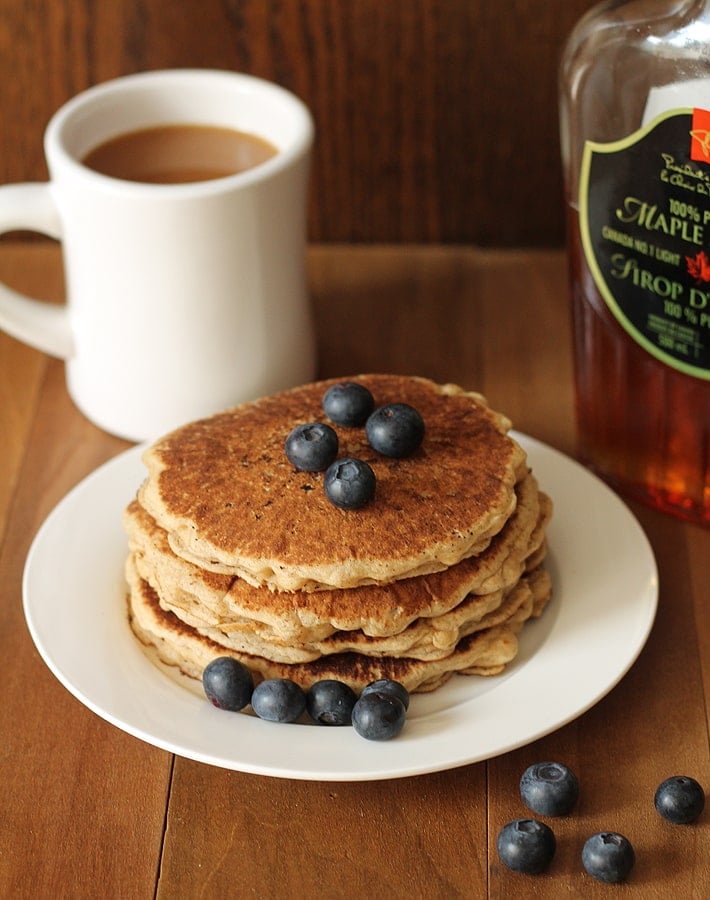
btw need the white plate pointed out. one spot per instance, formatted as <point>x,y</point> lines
<point>604,603</point>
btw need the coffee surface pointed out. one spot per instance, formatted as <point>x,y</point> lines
<point>176,154</point>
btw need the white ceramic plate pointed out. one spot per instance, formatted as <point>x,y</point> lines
<point>605,595</point>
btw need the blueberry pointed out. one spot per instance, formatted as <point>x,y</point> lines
<point>278,700</point>
<point>526,845</point>
<point>378,716</point>
<point>227,683</point>
<point>312,447</point>
<point>608,856</point>
<point>349,483</point>
<point>388,686</point>
<point>395,430</point>
<point>330,702</point>
<point>549,789</point>
<point>348,404</point>
<point>679,799</point>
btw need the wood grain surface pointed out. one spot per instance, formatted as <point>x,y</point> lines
<point>436,119</point>
<point>88,810</point>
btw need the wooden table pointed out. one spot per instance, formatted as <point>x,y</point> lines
<point>88,810</point>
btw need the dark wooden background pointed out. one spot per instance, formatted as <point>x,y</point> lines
<point>437,119</point>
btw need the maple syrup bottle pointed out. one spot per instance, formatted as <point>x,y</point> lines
<point>635,133</point>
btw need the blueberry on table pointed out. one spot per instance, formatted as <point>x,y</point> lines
<point>526,845</point>
<point>549,789</point>
<point>608,856</point>
<point>348,404</point>
<point>311,447</point>
<point>388,686</point>
<point>395,430</point>
<point>679,799</point>
<point>378,716</point>
<point>278,700</point>
<point>330,702</point>
<point>349,483</point>
<point>227,683</point>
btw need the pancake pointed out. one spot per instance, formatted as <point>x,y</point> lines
<point>209,599</point>
<point>231,503</point>
<point>176,644</point>
<point>424,639</point>
<point>233,552</point>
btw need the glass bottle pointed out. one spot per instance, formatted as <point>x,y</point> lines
<point>635,137</point>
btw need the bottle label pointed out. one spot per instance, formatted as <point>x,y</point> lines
<point>644,212</point>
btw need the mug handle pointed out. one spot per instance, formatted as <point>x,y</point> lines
<point>44,326</point>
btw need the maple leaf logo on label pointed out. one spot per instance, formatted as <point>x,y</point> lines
<point>699,266</point>
<point>700,136</point>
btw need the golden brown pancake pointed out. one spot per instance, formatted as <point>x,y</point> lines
<point>425,639</point>
<point>231,502</point>
<point>234,552</point>
<point>484,652</point>
<point>378,610</point>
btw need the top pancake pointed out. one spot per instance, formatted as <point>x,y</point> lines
<point>377,610</point>
<point>231,502</point>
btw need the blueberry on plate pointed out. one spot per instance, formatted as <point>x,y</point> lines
<point>395,430</point>
<point>608,856</point>
<point>330,702</point>
<point>349,483</point>
<point>526,845</point>
<point>679,799</point>
<point>278,700</point>
<point>378,716</point>
<point>348,404</point>
<point>227,683</point>
<point>311,447</point>
<point>388,686</point>
<point>549,789</point>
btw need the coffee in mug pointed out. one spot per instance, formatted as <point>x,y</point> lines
<point>176,154</point>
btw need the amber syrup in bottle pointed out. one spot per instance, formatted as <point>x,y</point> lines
<point>635,130</point>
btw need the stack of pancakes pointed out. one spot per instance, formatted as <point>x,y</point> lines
<point>234,552</point>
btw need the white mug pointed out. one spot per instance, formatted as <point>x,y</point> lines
<point>182,299</point>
